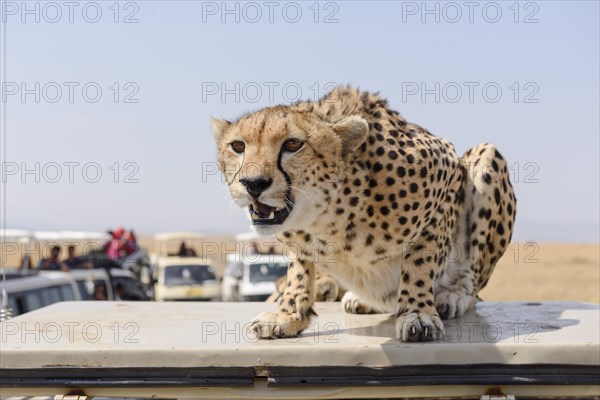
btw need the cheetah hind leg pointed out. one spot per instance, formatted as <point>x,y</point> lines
<point>328,289</point>
<point>453,302</point>
<point>353,305</point>
<point>483,230</point>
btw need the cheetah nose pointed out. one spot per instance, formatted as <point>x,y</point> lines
<point>255,186</point>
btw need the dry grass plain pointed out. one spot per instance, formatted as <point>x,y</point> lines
<point>526,272</point>
<point>546,272</point>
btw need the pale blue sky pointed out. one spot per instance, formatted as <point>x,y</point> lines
<point>171,54</point>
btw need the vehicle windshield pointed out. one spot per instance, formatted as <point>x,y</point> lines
<point>86,287</point>
<point>267,272</point>
<point>176,275</point>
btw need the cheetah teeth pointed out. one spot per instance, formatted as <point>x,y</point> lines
<point>262,211</point>
<point>257,216</point>
<point>264,214</point>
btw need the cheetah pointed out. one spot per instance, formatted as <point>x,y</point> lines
<point>381,204</point>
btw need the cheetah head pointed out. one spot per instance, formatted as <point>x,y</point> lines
<point>284,165</point>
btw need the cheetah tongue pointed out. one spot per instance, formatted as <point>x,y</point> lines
<point>263,211</point>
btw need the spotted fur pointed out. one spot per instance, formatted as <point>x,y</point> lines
<point>326,288</point>
<point>379,203</point>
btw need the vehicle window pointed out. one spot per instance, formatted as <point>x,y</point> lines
<point>86,288</point>
<point>188,274</point>
<point>50,295</point>
<point>29,300</point>
<point>66,292</point>
<point>267,272</point>
<point>83,291</point>
<point>33,300</point>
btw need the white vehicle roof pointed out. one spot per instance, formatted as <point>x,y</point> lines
<point>257,258</point>
<point>337,355</point>
<point>38,281</point>
<point>15,235</point>
<point>170,261</point>
<point>98,272</point>
<point>162,240</point>
<point>164,236</point>
<point>70,235</point>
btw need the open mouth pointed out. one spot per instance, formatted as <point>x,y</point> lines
<point>263,214</point>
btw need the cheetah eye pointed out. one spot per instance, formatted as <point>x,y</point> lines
<point>292,145</point>
<point>238,146</point>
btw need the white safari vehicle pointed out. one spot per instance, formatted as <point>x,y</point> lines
<point>183,274</point>
<point>82,350</point>
<point>252,277</point>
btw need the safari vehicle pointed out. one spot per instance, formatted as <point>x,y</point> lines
<point>28,293</point>
<point>182,274</point>
<point>252,277</point>
<point>189,350</point>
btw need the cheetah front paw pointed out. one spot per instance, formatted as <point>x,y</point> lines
<point>419,326</point>
<point>353,305</point>
<point>277,325</point>
<point>453,303</point>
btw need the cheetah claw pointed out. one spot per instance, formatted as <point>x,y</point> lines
<point>419,327</point>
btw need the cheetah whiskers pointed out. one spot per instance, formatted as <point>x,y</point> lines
<point>231,207</point>
<point>301,192</point>
<point>220,190</point>
<point>298,189</point>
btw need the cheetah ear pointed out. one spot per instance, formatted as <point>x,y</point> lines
<point>352,131</point>
<point>218,126</point>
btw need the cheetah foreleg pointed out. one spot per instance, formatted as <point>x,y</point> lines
<point>418,319</point>
<point>295,307</point>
